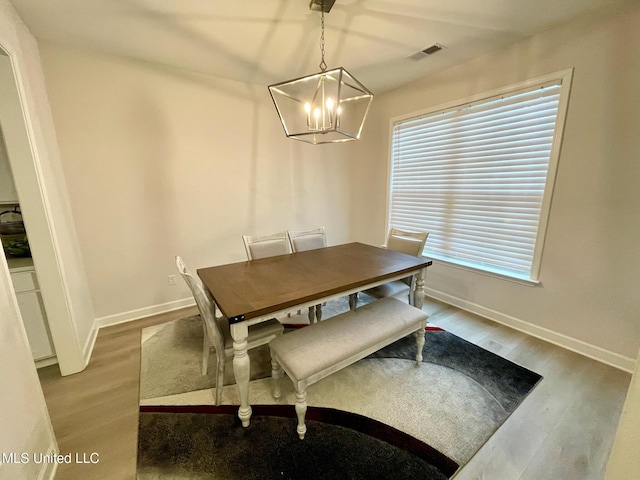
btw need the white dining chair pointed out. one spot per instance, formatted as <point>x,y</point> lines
<point>303,240</point>
<point>411,243</point>
<point>217,334</point>
<point>269,245</point>
<point>263,246</point>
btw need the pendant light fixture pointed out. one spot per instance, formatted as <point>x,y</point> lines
<point>326,107</point>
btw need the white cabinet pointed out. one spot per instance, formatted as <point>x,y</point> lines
<point>25,284</point>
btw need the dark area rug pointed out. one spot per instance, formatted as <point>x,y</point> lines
<point>508,382</point>
<point>176,442</point>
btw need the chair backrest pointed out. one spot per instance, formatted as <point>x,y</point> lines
<point>307,239</point>
<point>411,243</point>
<point>262,246</point>
<point>206,306</point>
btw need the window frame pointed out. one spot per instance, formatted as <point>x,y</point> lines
<point>564,77</point>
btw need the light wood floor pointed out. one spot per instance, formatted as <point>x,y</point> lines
<point>96,410</point>
<point>563,430</point>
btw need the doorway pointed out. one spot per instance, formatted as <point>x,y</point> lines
<point>27,128</point>
<point>17,253</point>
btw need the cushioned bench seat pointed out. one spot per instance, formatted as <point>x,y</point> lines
<point>312,353</point>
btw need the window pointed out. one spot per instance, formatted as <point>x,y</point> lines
<point>479,176</point>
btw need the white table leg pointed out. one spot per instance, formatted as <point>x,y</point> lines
<point>418,293</point>
<point>353,301</point>
<point>241,369</point>
<point>419,344</point>
<point>418,301</point>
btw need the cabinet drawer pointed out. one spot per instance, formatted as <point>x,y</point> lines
<point>24,281</point>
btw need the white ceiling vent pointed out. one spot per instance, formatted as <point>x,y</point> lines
<point>435,48</point>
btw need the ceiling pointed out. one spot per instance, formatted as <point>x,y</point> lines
<point>267,41</point>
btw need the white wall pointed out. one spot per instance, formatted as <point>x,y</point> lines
<point>588,299</point>
<point>24,420</point>
<point>161,162</point>
<point>8,194</point>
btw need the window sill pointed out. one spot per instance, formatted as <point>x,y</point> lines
<point>488,273</point>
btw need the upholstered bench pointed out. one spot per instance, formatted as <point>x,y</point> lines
<point>314,352</point>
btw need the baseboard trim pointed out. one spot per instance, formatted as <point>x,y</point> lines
<point>578,346</point>
<point>89,344</point>
<point>137,314</point>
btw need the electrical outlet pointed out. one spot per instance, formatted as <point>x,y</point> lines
<point>172,279</point>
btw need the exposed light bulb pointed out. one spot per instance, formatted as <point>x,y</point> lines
<point>307,108</point>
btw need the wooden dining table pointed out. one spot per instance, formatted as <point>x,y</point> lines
<point>254,291</point>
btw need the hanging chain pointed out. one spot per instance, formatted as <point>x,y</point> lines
<point>323,65</point>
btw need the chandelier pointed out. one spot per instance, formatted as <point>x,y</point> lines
<point>326,107</point>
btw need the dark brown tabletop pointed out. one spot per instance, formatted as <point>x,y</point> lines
<point>254,288</point>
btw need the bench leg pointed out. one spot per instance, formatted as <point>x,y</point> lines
<point>301,411</point>
<point>420,344</point>
<point>276,375</point>
<point>312,315</point>
<point>318,313</point>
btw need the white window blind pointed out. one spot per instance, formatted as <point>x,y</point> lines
<point>474,177</point>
